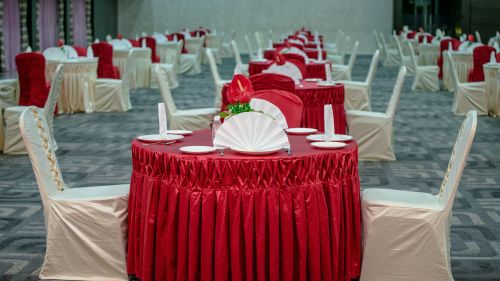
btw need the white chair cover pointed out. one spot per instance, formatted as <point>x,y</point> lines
<point>250,49</point>
<point>391,55</point>
<point>426,76</point>
<point>373,130</point>
<point>406,233</point>
<point>218,82</point>
<point>240,67</point>
<point>404,60</point>
<point>191,63</point>
<point>288,69</point>
<point>79,247</point>
<point>213,42</point>
<point>344,72</point>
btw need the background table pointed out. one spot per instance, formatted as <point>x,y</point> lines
<point>76,73</point>
<point>313,69</point>
<point>429,54</point>
<point>492,79</point>
<point>237,217</point>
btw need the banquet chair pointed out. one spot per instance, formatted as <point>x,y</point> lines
<point>190,63</point>
<point>339,58</point>
<point>358,93</point>
<point>343,72</point>
<point>240,67</point>
<point>478,36</point>
<point>213,43</point>
<point>407,233</point>
<point>481,55</point>
<point>404,60</point>
<point>173,68</point>
<point>151,43</point>
<point>250,49</point>
<point>270,81</point>
<point>261,40</point>
<point>192,119</point>
<point>218,82</point>
<point>55,53</point>
<point>288,69</point>
<point>391,55</point>
<point>85,227</point>
<point>13,143</point>
<point>333,47</point>
<point>9,92</point>
<point>426,76</point>
<point>468,96</point>
<point>226,50</point>
<point>443,46</point>
<point>289,104</point>
<point>105,67</point>
<point>373,130</point>
<point>380,47</point>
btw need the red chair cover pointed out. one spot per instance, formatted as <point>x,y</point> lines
<point>498,57</point>
<point>292,56</point>
<point>443,46</point>
<point>180,36</point>
<point>300,64</point>
<point>290,105</point>
<point>481,55</point>
<point>135,43</point>
<point>270,81</point>
<point>32,82</point>
<point>151,43</point>
<point>82,52</point>
<point>422,36</point>
<point>411,35</point>
<point>105,68</point>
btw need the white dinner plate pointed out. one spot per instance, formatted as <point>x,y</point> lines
<point>159,138</point>
<point>313,79</point>
<point>301,131</point>
<point>321,137</point>
<point>179,132</point>
<point>328,144</point>
<point>326,84</point>
<point>197,149</point>
<point>255,152</point>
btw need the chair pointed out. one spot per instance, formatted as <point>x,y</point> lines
<point>478,37</point>
<point>240,67</point>
<point>424,36</point>
<point>426,76</point>
<point>192,119</point>
<point>481,55</point>
<point>344,72</point>
<point>391,56</point>
<point>86,227</point>
<point>289,104</point>
<point>190,63</point>
<point>250,49</point>
<point>358,93</point>
<point>380,47</point>
<point>179,37</point>
<point>226,49</point>
<point>270,81</point>
<point>407,233</point>
<point>339,58</point>
<point>443,46</point>
<point>261,40</point>
<point>404,60</point>
<point>173,67</point>
<point>213,43</point>
<point>13,142</point>
<point>289,69</point>
<point>373,130</point>
<point>31,72</point>
<point>468,96</point>
<point>218,82</point>
<point>105,67</point>
<point>151,43</point>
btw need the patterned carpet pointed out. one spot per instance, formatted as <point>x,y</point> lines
<point>95,150</point>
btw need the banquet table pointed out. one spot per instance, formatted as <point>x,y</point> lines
<point>313,69</point>
<point>270,54</point>
<point>492,79</point>
<point>142,62</point>
<point>463,64</point>
<point>76,73</point>
<point>241,217</point>
<point>429,54</point>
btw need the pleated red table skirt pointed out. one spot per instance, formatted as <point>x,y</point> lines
<point>237,217</point>
<point>313,69</point>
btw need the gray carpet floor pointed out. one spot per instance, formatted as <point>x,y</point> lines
<point>94,149</point>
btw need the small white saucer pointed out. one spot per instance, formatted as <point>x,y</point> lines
<point>197,149</point>
<point>328,144</point>
<point>159,138</point>
<point>321,137</point>
<point>300,131</point>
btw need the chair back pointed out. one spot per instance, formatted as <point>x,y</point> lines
<point>373,68</point>
<point>396,93</point>
<point>236,51</point>
<point>289,69</point>
<point>270,81</point>
<point>457,162</point>
<point>54,53</point>
<point>162,73</point>
<point>384,44</point>
<point>400,50</point>
<point>377,40</point>
<point>135,43</point>
<point>105,68</point>
<point>213,67</point>
<point>39,144</point>
<point>259,37</point>
<point>179,36</point>
<point>422,37</point>
<point>443,46</point>
<point>478,37</point>
<point>194,45</point>
<point>151,43</point>
<point>454,75</point>
<point>249,46</point>
<point>129,75</point>
<point>289,104</point>
<point>354,54</point>
<point>412,56</point>
<point>213,41</point>
<point>481,55</point>
<point>55,90</point>
<point>32,82</point>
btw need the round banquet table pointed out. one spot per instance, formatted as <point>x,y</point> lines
<point>313,69</point>
<point>314,98</point>
<point>142,65</point>
<point>270,54</point>
<point>463,64</point>
<point>492,79</point>
<point>239,217</point>
<point>76,73</point>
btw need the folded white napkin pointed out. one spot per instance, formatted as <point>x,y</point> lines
<point>260,55</point>
<point>450,47</point>
<point>175,38</point>
<point>493,59</point>
<point>143,45</point>
<point>328,72</point>
<point>329,125</point>
<point>425,40</point>
<point>29,50</point>
<point>96,40</point>
<point>316,36</point>
<point>109,38</point>
<point>495,45</point>
<point>136,37</point>
<point>162,118</point>
<point>320,53</point>
<point>270,44</point>
<point>90,52</point>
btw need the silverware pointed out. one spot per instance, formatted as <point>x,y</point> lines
<point>288,150</point>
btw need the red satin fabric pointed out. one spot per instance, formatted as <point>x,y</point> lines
<point>311,53</point>
<point>151,43</point>
<point>269,81</point>
<point>180,37</point>
<point>498,57</point>
<point>32,82</point>
<point>443,46</point>
<point>422,36</point>
<point>256,67</point>
<point>294,56</point>
<point>289,104</point>
<point>237,217</point>
<point>481,55</point>
<point>135,43</point>
<point>312,70</point>
<point>82,52</point>
<point>411,35</point>
<point>105,68</point>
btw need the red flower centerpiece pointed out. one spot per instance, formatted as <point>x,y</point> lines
<point>60,42</point>
<point>119,36</point>
<point>470,38</point>
<point>238,96</point>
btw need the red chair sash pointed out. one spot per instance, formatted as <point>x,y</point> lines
<point>290,105</point>
<point>32,82</point>
<point>105,68</point>
<point>151,43</point>
<point>481,55</point>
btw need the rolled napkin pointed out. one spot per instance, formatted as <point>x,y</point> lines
<point>270,44</point>
<point>29,50</point>
<point>329,125</point>
<point>143,44</point>
<point>450,47</point>
<point>175,38</point>
<point>162,118</point>
<point>320,53</point>
<point>109,38</point>
<point>90,52</point>
<point>260,55</point>
<point>166,32</point>
<point>96,40</point>
<point>493,59</point>
<point>316,36</point>
<point>328,72</point>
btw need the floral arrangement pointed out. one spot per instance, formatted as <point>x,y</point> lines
<point>238,96</point>
<point>60,44</point>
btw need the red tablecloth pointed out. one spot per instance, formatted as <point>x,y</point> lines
<point>314,98</point>
<point>270,54</point>
<point>238,217</point>
<point>313,69</point>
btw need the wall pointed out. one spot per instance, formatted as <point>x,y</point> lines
<point>358,18</point>
<point>104,18</point>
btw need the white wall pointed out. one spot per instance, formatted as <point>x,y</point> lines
<point>358,18</point>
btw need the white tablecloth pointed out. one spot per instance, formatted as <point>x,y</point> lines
<point>492,79</point>
<point>463,63</point>
<point>142,64</point>
<point>76,72</point>
<point>429,54</point>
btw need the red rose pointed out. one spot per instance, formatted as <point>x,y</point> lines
<point>471,38</point>
<point>240,89</point>
<point>60,42</point>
